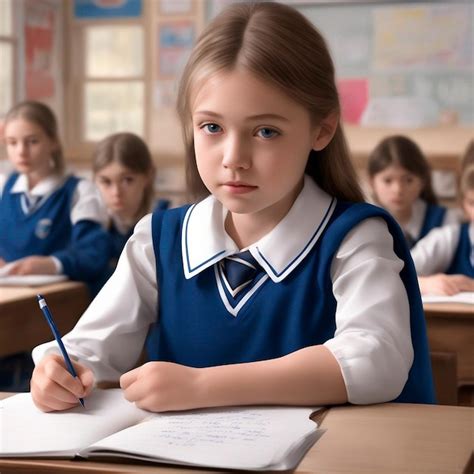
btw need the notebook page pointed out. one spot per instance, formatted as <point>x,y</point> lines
<point>465,297</point>
<point>27,431</point>
<point>238,437</point>
<point>30,280</point>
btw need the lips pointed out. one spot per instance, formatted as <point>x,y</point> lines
<point>239,187</point>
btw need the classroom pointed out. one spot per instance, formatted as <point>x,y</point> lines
<point>152,218</point>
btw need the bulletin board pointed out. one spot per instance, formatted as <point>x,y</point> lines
<point>403,57</point>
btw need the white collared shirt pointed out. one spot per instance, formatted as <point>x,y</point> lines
<point>372,343</point>
<point>435,252</point>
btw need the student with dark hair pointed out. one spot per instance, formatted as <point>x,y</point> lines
<point>400,178</point>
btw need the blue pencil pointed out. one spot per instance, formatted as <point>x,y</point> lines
<point>49,318</point>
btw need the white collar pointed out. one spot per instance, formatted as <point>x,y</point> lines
<point>414,225</point>
<point>204,240</point>
<point>44,187</point>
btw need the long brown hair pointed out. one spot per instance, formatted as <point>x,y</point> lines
<point>130,151</point>
<point>279,45</point>
<point>42,116</point>
<point>402,151</point>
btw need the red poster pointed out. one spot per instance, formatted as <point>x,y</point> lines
<point>39,49</point>
<point>354,95</point>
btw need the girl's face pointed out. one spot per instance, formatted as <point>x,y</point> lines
<point>29,148</point>
<point>396,188</point>
<point>252,143</point>
<point>121,189</point>
<point>468,205</point>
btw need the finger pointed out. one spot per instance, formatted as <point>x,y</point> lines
<point>57,372</point>
<point>86,376</point>
<point>135,392</point>
<point>48,390</point>
<point>128,378</point>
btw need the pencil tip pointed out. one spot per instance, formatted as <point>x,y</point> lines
<point>39,297</point>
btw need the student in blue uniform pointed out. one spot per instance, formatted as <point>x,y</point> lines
<point>124,173</point>
<point>279,286</point>
<point>400,178</point>
<point>444,259</point>
<point>51,221</point>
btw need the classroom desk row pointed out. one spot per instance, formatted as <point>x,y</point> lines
<point>450,331</point>
<point>389,438</point>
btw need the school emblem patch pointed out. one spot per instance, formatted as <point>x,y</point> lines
<point>43,228</point>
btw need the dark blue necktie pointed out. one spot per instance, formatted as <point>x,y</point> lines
<point>240,270</point>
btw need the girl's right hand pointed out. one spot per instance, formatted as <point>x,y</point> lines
<point>53,388</point>
<point>442,284</point>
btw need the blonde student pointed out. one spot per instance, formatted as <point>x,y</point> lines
<point>280,285</point>
<point>400,178</point>
<point>52,222</point>
<point>444,259</point>
<point>124,173</point>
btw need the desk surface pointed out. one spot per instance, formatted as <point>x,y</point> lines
<point>22,326</point>
<point>389,438</point>
<point>456,310</point>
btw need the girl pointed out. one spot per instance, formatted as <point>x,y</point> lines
<point>269,290</point>
<point>444,259</point>
<point>124,173</point>
<point>51,222</point>
<point>400,178</point>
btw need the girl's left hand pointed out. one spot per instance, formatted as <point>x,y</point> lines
<point>33,265</point>
<point>162,386</point>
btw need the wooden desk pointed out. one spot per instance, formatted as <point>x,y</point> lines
<point>388,438</point>
<point>451,332</point>
<point>22,325</point>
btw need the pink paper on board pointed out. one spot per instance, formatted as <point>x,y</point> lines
<point>354,95</point>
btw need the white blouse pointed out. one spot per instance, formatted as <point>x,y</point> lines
<point>372,342</point>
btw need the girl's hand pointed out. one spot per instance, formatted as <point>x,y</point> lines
<point>33,265</point>
<point>442,284</point>
<point>54,388</point>
<point>162,386</point>
<point>2,262</point>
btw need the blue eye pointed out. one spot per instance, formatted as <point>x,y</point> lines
<point>267,133</point>
<point>212,128</point>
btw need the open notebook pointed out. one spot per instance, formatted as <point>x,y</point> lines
<point>27,280</point>
<point>463,297</point>
<point>256,438</point>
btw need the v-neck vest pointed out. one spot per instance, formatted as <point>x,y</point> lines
<point>195,329</point>
<point>461,263</point>
<point>41,232</point>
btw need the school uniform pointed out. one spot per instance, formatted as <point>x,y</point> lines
<point>449,249</point>
<point>426,217</point>
<point>61,217</point>
<point>320,283</point>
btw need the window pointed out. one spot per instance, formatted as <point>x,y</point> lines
<point>114,80</point>
<point>7,56</point>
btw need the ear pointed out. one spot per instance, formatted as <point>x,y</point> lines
<point>325,130</point>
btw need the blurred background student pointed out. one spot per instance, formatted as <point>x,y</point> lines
<point>400,181</point>
<point>51,222</point>
<point>125,174</point>
<point>444,259</point>
<point>468,156</point>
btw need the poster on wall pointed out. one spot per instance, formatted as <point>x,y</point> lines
<point>41,30</point>
<point>354,96</point>
<point>175,41</point>
<point>104,9</point>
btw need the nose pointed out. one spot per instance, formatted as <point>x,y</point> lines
<point>116,189</point>
<point>236,153</point>
<point>22,148</point>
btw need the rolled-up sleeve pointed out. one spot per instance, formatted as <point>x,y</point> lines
<point>372,342</point>
<point>110,335</point>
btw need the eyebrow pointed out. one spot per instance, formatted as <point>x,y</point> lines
<point>251,117</point>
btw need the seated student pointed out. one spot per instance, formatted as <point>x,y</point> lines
<point>400,178</point>
<point>444,259</point>
<point>50,222</point>
<point>280,286</point>
<point>468,156</point>
<point>124,173</point>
